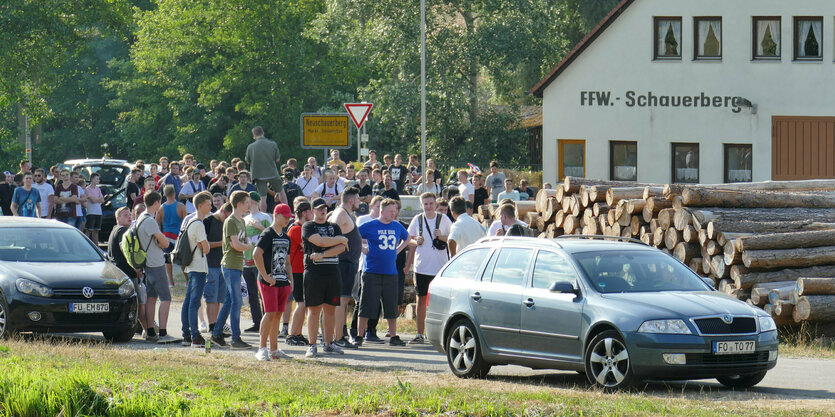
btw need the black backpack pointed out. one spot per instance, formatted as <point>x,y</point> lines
<point>183,253</point>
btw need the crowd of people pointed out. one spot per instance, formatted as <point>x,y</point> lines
<point>322,238</point>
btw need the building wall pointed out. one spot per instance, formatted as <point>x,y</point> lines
<point>621,60</point>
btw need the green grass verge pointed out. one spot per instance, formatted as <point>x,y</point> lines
<point>42,379</point>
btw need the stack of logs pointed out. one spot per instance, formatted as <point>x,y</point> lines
<point>770,243</point>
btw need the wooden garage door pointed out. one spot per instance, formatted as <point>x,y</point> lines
<point>802,147</point>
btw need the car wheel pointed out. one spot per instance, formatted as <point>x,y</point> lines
<point>119,335</point>
<point>742,381</point>
<point>5,327</point>
<point>607,362</point>
<point>464,351</point>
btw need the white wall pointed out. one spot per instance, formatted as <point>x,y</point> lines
<point>621,59</point>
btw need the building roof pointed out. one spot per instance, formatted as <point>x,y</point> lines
<point>581,46</point>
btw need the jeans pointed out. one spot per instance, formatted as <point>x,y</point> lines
<point>188,315</point>
<point>72,221</point>
<point>231,308</point>
<point>251,280</point>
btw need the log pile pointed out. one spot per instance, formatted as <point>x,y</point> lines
<point>769,243</point>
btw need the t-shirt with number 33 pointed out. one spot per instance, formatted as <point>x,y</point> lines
<point>383,240</point>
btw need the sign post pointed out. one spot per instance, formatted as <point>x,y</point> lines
<point>325,131</point>
<point>359,114</point>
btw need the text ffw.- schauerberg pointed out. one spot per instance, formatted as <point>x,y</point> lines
<point>650,99</point>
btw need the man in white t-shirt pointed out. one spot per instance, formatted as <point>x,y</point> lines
<point>307,182</point>
<point>466,230</point>
<point>47,193</point>
<point>74,176</point>
<point>429,254</point>
<point>507,218</point>
<point>197,270</point>
<point>466,189</point>
<point>508,193</point>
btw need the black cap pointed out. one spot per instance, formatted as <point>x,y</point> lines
<point>200,166</point>
<point>319,202</point>
<point>302,207</point>
<point>363,209</point>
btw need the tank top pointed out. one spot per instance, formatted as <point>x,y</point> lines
<point>354,244</point>
<point>172,221</point>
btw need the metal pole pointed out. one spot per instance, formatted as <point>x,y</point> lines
<point>28,141</point>
<point>423,86</point>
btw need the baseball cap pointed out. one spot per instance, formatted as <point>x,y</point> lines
<point>284,210</point>
<point>200,166</point>
<point>319,202</point>
<point>255,196</point>
<point>363,209</point>
<point>302,207</point>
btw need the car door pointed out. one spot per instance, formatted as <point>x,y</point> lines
<point>550,326</point>
<point>496,298</point>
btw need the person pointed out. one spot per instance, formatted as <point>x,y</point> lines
<point>508,193</point>
<point>132,191</point>
<point>334,163</point>
<point>66,198</point>
<point>235,244</point>
<point>150,185</point>
<point>465,189</point>
<point>114,252</point>
<point>398,174</point>
<point>430,166</point>
<point>256,223</point>
<point>243,184</point>
<point>495,181</point>
<point>219,186</point>
<point>371,331</point>
<point>386,162</point>
<point>81,206</point>
<point>481,195</point>
<point>323,242</point>
<point>291,189</point>
<point>190,189</point>
<point>26,201</point>
<point>385,189</point>
<point>292,163</point>
<point>372,159</point>
<point>427,231</point>
<point>429,185</point>
<point>307,182</point>
<point>170,219</point>
<point>218,199</point>
<point>547,186</point>
<point>442,207</point>
<point>304,214</point>
<point>215,291</point>
<point>386,237</point>
<point>6,193</point>
<point>350,176</point>
<point>156,281</point>
<point>366,191</point>
<point>317,170</point>
<point>466,230</point>
<point>507,218</point>
<point>528,191</point>
<point>197,270</point>
<point>329,190</point>
<point>154,173</point>
<point>415,171</point>
<point>47,192</point>
<point>163,166</point>
<point>275,280</point>
<point>263,158</point>
<point>348,261</point>
<point>94,213</point>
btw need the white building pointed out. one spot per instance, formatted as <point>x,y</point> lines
<point>706,91</point>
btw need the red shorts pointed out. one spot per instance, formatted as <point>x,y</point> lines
<point>274,298</point>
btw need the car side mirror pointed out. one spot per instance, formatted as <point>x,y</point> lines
<point>709,282</point>
<point>563,287</point>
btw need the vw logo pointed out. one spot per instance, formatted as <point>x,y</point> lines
<point>727,318</point>
<point>87,292</point>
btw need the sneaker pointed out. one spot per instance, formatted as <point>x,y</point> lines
<point>219,342</point>
<point>263,354</point>
<point>345,344</point>
<point>296,340</point>
<point>395,341</point>
<point>334,349</point>
<point>186,341</point>
<point>227,331</point>
<point>203,328</point>
<point>358,341</point>
<point>284,331</point>
<point>151,339</point>
<point>371,337</point>
<point>279,354</point>
<point>240,344</point>
<point>311,352</point>
<point>418,340</point>
<point>253,329</point>
<point>167,339</point>
<point>198,342</point>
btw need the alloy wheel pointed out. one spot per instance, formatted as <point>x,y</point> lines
<point>462,349</point>
<point>609,362</point>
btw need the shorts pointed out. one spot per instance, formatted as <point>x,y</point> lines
<point>93,222</point>
<point>156,281</point>
<point>275,184</point>
<point>422,284</point>
<point>348,274</point>
<point>274,298</point>
<point>298,287</point>
<point>215,291</point>
<point>376,287</point>
<point>167,251</point>
<point>322,289</point>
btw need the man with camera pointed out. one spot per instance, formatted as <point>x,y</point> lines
<point>428,233</point>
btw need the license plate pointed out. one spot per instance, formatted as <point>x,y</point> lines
<point>89,307</point>
<point>734,347</point>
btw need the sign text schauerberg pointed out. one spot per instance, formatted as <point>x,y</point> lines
<point>650,99</point>
<point>324,131</point>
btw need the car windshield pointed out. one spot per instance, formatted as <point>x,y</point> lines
<point>46,244</point>
<point>112,175</point>
<point>637,271</point>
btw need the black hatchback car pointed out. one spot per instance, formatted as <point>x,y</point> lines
<point>53,279</point>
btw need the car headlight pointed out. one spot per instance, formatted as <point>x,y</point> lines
<point>127,289</point>
<point>33,288</point>
<point>767,324</point>
<point>676,326</point>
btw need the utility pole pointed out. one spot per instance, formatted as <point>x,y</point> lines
<point>423,86</point>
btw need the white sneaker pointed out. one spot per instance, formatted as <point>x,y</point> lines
<point>311,352</point>
<point>203,327</point>
<point>227,329</point>
<point>168,339</point>
<point>333,348</point>
<point>279,354</point>
<point>263,354</point>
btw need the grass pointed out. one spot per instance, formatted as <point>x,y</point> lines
<point>807,341</point>
<point>43,378</point>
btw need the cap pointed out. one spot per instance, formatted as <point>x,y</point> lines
<point>200,166</point>
<point>302,207</point>
<point>363,209</point>
<point>284,210</point>
<point>319,202</point>
<point>255,196</point>
<point>7,173</point>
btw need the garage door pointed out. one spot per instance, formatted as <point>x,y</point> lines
<point>802,147</point>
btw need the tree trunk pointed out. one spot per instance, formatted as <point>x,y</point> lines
<point>600,208</point>
<point>783,258</point>
<point>570,224</point>
<point>788,240</point>
<point>815,286</point>
<point>713,248</point>
<point>804,216</point>
<point>732,256</point>
<point>672,190</point>
<point>686,251</point>
<point>747,226</point>
<point>549,209</point>
<point>671,238</point>
<point>542,197</point>
<point>615,194</point>
<point>816,307</point>
<point>682,218</point>
<point>653,206</point>
<point>717,266</point>
<point>745,278</point>
<point>759,296</point>
<point>804,185</point>
<point>572,184</point>
<point>786,294</point>
<point>658,238</point>
<point>783,310</point>
<point>690,235</point>
<point>696,265</point>
<point>665,218</point>
<point>707,197</point>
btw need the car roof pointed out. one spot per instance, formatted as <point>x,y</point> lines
<point>17,221</point>
<point>569,243</point>
<point>75,162</point>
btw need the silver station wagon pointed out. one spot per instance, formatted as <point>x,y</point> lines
<point>612,308</point>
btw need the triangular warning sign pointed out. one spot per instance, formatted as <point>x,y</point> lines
<point>359,112</point>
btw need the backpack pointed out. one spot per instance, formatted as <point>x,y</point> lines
<point>183,254</point>
<point>132,248</point>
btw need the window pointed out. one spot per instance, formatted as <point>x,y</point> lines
<point>686,162</point>
<point>572,154</point>
<point>550,268</point>
<point>511,266</point>
<point>466,265</point>
<point>808,38</point>
<point>623,161</point>
<point>737,163</point>
<point>767,38</point>
<point>707,37</point>
<point>667,38</point>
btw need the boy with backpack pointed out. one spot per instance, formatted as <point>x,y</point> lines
<point>192,248</point>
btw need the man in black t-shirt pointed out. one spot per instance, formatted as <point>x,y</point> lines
<point>215,291</point>
<point>364,185</point>
<point>322,241</point>
<point>385,189</point>
<point>133,188</point>
<point>291,189</point>
<point>114,252</point>
<point>481,195</point>
<point>399,173</point>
